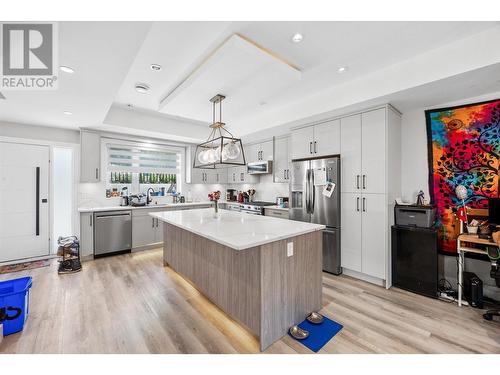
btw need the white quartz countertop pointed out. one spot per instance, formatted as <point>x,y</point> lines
<point>234,229</point>
<point>119,208</point>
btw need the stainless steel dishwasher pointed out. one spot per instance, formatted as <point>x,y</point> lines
<point>112,232</point>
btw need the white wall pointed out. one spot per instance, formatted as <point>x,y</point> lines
<point>414,177</point>
<point>414,163</point>
<point>14,130</point>
<point>63,205</point>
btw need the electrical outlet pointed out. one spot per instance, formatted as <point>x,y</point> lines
<point>289,249</point>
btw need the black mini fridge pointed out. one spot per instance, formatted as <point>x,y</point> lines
<point>415,260</point>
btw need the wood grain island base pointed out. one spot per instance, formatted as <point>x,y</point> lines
<point>261,287</point>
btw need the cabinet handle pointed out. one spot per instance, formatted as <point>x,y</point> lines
<point>364,181</point>
<point>310,147</point>
<point>364,204</point>
<point>357,204</point>
<point>153,223</point>
<point>91,217</point>
<point>357,181</point>
<point>217,177</point>
<point>315,149</point>
<point>97,173</point>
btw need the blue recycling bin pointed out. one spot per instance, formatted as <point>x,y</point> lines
<point>14,304</point>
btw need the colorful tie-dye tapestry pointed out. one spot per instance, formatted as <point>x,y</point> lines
<point>464,149</point>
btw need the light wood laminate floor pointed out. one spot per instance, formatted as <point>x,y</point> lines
<point>132,304</point>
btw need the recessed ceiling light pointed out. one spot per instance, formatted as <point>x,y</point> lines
<point>141,88</point>
<point>67,69</point>
<point>297,38</point>
<point>68,113</point>
<point>156,67</point>
<point>342,69</point>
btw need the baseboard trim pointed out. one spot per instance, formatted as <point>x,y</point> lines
<point>147,247</point>
<point>364,277</point>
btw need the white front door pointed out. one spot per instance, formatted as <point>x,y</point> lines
<point>24,206</point>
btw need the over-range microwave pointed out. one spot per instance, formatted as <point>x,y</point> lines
<point>260,167</point>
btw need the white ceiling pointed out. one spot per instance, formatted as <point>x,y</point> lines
<point>111,57</point>
<point>245,73</point>
<point>364,47</point>
<point>101,54</point>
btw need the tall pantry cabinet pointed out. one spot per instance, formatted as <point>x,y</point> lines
<point>370,182</point>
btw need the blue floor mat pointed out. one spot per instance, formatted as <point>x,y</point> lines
<point>319,334</point>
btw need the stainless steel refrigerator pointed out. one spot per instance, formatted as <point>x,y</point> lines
<point>307,203</point>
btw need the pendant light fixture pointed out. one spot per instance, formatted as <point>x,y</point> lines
<point>221,149</point>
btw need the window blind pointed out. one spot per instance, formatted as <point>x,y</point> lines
<point>139,159</point>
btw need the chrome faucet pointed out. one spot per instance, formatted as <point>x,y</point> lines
<point>148,196</point>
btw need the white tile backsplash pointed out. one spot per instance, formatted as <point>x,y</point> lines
<point>94,194</point>
<point>265,190</point>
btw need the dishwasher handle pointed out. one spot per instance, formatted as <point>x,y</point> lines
<point>110,215</point>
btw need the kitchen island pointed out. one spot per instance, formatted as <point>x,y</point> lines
<point>264,272</point>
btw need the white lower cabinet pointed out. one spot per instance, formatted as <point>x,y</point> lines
<point>375,234</point>
<point>86,234</point>
<point>350,232</point>
<point>364,233</point>
<point>273,212</point>
<point>144,230</point>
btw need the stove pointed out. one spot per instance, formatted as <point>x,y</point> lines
<point>255,208</point>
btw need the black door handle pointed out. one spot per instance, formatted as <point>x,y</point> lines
<point>37,205</point>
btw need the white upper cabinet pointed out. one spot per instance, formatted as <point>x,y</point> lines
<point>217,176</point>
<point>350,153</point>
<point>373,151</point>
<point>363,152</point>
<point>281,166</point>
<point>259,151</point>
<point>252,153</point>
<point>315,141</point>
<point>266,150</point>
<point>236,175</point>
<point>302,143</point>
<point>327,138</point>
<point>90,156</point>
